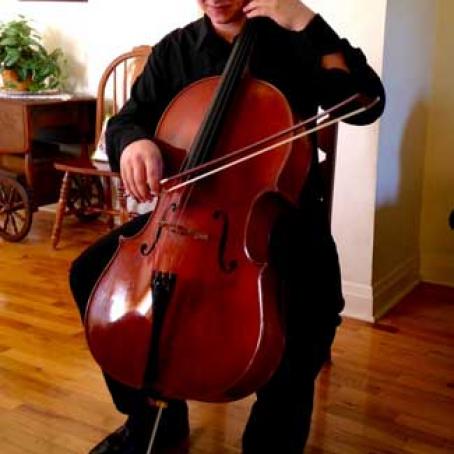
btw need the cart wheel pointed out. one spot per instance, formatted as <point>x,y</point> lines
<point>15,210</point>
<point>85,192</point>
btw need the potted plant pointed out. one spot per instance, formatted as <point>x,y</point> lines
<point>25,64</point>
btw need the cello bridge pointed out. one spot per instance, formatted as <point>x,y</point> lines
<point>178,229</point>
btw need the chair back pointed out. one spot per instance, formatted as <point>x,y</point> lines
<point>116,81</point>
<point>327,143</point>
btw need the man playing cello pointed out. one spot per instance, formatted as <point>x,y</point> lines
<point>299,53</point>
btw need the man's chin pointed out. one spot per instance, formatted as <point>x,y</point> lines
<point>225,20</point>
<point>221,21</point>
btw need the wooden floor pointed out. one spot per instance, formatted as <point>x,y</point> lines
<point>390,388</point>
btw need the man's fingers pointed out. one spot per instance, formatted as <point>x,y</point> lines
<point>140,181</point>
<point>141,169</point>
<point>153,176</point>
<point>255,7</point>
<point>129,171</point>
<point>256,13</point>
<point>124,179</point>
<point>291,14</point>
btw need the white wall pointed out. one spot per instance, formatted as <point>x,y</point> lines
<point>363,23</point>
<point>93,33</point>
<point>407,74</point>
<point>437,240</point>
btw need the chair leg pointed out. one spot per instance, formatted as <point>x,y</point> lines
<point>108,199</point>
<point>61,208</point>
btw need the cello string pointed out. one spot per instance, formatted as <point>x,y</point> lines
<point>264,141</point>
<point>204,142</point>
<point>319,127</point>
<point>231,77</point>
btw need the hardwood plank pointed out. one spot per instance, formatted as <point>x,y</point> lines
<point>389,389</point>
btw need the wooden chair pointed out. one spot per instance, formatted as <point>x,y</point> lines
<point>82,192</point>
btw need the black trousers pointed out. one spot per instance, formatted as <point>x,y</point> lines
<point>305,255</point>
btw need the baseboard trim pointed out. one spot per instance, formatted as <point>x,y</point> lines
<point>389,290</point>
<point>358,301</point>
<point>369,303</point>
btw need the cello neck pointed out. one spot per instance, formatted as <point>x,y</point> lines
<point>210,129</point>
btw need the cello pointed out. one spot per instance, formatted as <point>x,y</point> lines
<point>188,307</point>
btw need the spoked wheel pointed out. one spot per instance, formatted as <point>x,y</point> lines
<point>85,193</point>
<point>15,210</point>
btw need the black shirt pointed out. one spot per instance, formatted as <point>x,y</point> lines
<point>289,60</point>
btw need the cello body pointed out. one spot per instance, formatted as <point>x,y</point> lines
<point>189,307</point>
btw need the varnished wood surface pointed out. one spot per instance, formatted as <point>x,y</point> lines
<point>390,388</point>
<point>23,120</point>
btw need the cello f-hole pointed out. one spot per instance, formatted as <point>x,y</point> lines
<point>146,249</point>
<point>232,265</point>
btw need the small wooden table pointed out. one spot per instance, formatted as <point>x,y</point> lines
<point>32,130</point>
<point>57,120</point>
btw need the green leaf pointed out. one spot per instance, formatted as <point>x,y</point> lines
<point>22,73</point>
<point>11,59</point>
<point>21,49</point>
<point>9,41</point>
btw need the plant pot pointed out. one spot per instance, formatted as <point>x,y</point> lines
<point>11,81</point>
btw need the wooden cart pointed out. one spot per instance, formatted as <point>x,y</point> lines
<point>34,132</point>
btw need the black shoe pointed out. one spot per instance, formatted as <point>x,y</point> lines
<point>133,437</point>
<point>121,441</point>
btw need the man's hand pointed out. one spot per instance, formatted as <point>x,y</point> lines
<point>290,14</point>
<point>141,169</point>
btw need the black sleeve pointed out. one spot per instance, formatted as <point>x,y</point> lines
<point>139,116</point>
<point>335,85</point>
